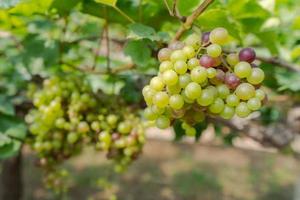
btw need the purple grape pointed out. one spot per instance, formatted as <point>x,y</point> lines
<point>205,37</point>
<point>247,54</point>
<point>231,80</point>
<point>254,65</point>
<point>220,75</point>
<point>176,45</point>
<point>207,61</point>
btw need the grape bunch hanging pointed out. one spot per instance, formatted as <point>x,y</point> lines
<point>68,116</point>
<point>198,78</point>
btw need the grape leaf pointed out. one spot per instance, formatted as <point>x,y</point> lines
<point>139,51</point>
<point>8,3</point>
<point>179,132</point>
<point>6,107</point>
<point>10,149</point>
<point>108,2</point>
<point>140,31</point>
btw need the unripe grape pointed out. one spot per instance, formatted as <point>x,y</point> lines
<point>164,54</point>
<point>232,80</point>
<point>254,103</point>
<point>190,132</point>
<point>245,91</point>
<point>193,40</point>
<point>178,55</point>
<point>199,117</point>
<point>199,75</point>
<point>214,50</point>
<point>213,89</point>
<point>83,127</point>
<point>170,77</point>
<point>184,80</point>
<point>95,126</point>
<point>174,89</point>
<point>176,45</point>
<point>72,138</point>
<point>232,59</point>
<point>242,110</point>
<point>176,101</point>
<point>247,55</point>
<point>112,119</point>
<point>217,106</point>
<point>223,91</point>
<point>232,100</point>
<point>156,83</point>
<point>124,127</point>
<point>242,69</point>
<point>256,77</point>
<point>260,94</point>
<point>219,36</point>
<point>186,99</point>
<point>207,61</point>
<point>211,72</point>
<point>165,65</point>
<point>157,110</point>
<point>189,51</point>
<point>193,90</point>
<point>207,97</point>
<point>162,122</point>
<point>180,67</point>
<point>193,62</point>
<point>161,99</point>
<point>228,112</point>
<point>205,37</point>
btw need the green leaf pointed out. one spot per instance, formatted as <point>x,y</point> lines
<point>8,3</point>
<point>288,80</point>
<point>247,9</point>
<point>6,106</point>
<point>108,2</point>
<point>139,51</point>
<point>4,140</point>
<point>18,131</point>
<point>186,7</point>
<point>10,149</point>
<point>65,6</point>
<point>200,127</point>
<point>269,39</point>
<point>140,31</point>
<point>179,132</point>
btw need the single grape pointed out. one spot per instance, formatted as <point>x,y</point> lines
<point>211,72</point>
<point>186,99</point>
<point>189,51</point>
<point>217,62</point>
<point>178,55</point>
<point>96,126</point>
<point>242,110</point>
<point>254,103</point>
<point>164,54</point>
<point>242,69</point>
<point>219,36</point>
<point>161,99</point>
<point>193,90</point>
<point>223,91</point>
<point>207,61</point>
<point>72,138</point>
<point>193,40</point>
<point>214,50</point>
<point>232,59</point>
<point>206,98</point>
<point>190,131</point>
<point>232,100</point>
<point>162,122</point>
<point>217,106</point>
<point>184,80</point>
<point>124,127</point>
<point>170,77</point>
<point>149,115</point>
<point>205,37</point>
<point>219,78</point>
<point>231,80</point>
<point>180,67</point>
<point>245,91</point>
<point>247,55</point>
<point>199,117</point>
<point>165,65</point>
<point>83,127</point>
<point>256,77</point>
<point>176,45</point>
<point>213,89</point>
<point>176,101</point>
<point>157,83</point>
<point>157,110</point>
<point>174,89</point>
<point>260,94</point>
<point>228,112</point>
<point>193,62</point>
<point>199,75</point>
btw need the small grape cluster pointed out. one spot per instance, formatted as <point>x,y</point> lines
<point>68,116</point>
<point>197,77</point>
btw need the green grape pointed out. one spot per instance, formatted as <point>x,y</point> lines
<point>95,126</point>
<point>162,122</point>
<point>260,94</point>
<point>254,103</point>
<point>178,55</point>
<point>170,77</point>
<point>213,89</point>
<point>242,69</point>
<point>189,51</point>
<point>206,98</point>
<point>193,90</point>
<point>60,122</point>
<point>186,99</point>
<point>223,91</point>
<point>165,65</point>
<point>176,101</point>
<point>245,91</point>
<point>232,100</point>
<point>211,72</point>
<point>157,110</point>
<point>161,99</point>
<point>174,89</point>
<point>112,119</point>
<point>83,127</point>
<point>228,112</point>
<point>105,137</point>
<point>180,67</point>
<point>217,106</point>
<point>193,40</point>
<point>199,75</point>
<point>190,132</point>
<point>218,36</point>
<point>156,83</point>
<point>184,80</point>
<point>232,59</point>
<point>199,117</point>
<point>72,138</point>
<point>214,50</point>
<point>242,110</point>
<point>193,62</point>
<point>256,77</point>
<point>124,127</point>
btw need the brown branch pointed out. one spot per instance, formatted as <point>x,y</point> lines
<point>107,42</point>
<point>279,62</point>
<point>190,19</point>
<point>97,51</point>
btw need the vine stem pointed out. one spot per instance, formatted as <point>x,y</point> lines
<point>190,19</point>
<point>124,14</point>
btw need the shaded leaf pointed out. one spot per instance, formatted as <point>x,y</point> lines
<point>6,106</point>
<point>139,51</point>
<point>108,2</point>
<point>8,3</point>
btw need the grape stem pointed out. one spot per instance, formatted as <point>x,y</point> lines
<point>279,62</point>
<point>191,18</point>
<point>174,12</point>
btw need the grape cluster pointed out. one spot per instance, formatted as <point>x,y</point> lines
<point>67,116</point>
<point>198,78</point>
